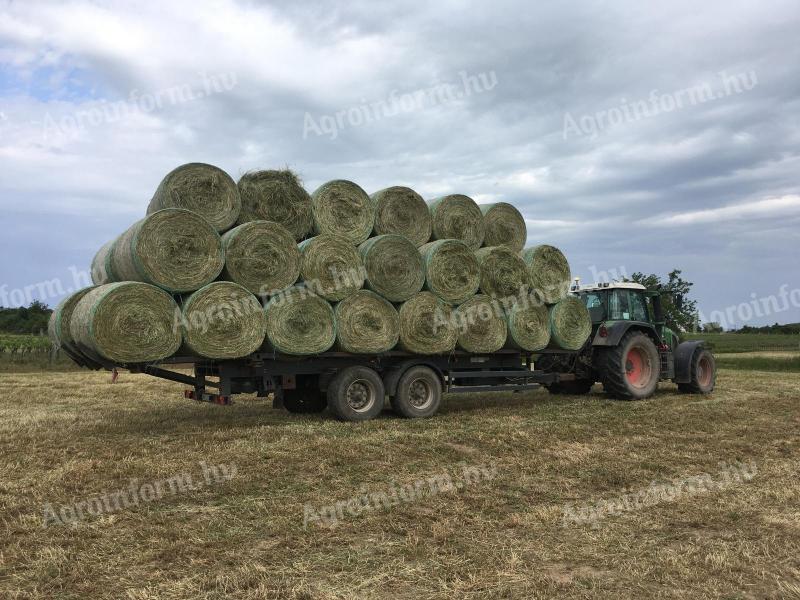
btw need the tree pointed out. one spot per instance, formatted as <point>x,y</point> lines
<point>712,327</point>
<point>679,312</point>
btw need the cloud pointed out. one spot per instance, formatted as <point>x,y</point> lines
<point>769,207</point>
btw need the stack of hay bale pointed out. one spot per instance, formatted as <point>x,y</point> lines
<point>220,270</point>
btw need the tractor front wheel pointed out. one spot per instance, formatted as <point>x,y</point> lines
<point>630,371</point>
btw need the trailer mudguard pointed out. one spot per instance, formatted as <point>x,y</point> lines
<point>683,360</point>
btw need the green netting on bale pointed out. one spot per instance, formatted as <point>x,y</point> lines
<point>223,320</point>
<point>300,322</point>
<point>427,325</point>
<point>457,217</point>
<point>402,211</point>
<point>393,266</point>
<point>366,323</point>
<point>262,256</point>
<point>549,272</point>
<point>58,327</point>
<point>127,322</point>
<point>504,225</point>
<point>102,270</point>
<point>276,196</point>
<point>204,189</point>
<point>174,248</point>
<point>528,326</point>
<point>570,323</point>
<point>452,271</point>
<point>331,266</point>
<point>342,208</point>
<point>481,325</point>
<point>503,273</point>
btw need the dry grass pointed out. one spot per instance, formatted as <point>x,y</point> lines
<point>69,436</point>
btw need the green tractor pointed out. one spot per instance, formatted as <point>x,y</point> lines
<point>631,348</point>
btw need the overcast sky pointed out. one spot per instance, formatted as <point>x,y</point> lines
<point>635,136</point>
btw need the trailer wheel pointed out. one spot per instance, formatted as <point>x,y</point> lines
<point>630,371</point>
<point>704,374</point>
<point>356,394</point>
<point>419,393</point>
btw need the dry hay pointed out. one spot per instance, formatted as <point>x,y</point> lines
<point>570,323</point>
<point>342,208</point>
<point>393,266</point>
<point>127,322</point>
<point>504,226</point>
<point>452,271</point>
<point>366,323</point>
<point>262,256</point>
<point>528,326</point>
<point>276,196</point>
<point>503,273</point>
<point>549,272</point>
<point>401,210</point>
<point>205,189</point>
<point>457,217</point>
<point>331,266</point>
<point>481,325</point>
<point>300,322</point>
<point>427,325</point>
<point>102,270</point>
<point>223,320</point>
<point>58,327</point>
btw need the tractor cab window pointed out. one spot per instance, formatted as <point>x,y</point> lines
<point>618,308</point>
<point>638,307</point>
<point>596,305</point>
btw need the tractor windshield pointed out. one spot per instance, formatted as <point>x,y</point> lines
<point>596,303</point>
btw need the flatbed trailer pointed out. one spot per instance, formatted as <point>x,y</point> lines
<point>352,386</point>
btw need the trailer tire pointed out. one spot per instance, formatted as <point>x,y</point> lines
<point>356,394</point>
<point>704,374</point>
<point>419,393</point>
<point>630,370</point>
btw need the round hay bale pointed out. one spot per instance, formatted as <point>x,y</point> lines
<point>341,207</point>
<point>262,256</point>
<point>300,322</point>
<point>452,271</point>
<point>549,272</point>
<point>174,248</point>
<point>503,273</point>
<point>127,322</point>
<point>204,189</point>
<point>366,324</point>
<point>481,325</point>
<point>101,265</point>
<point>427,325</point>
<point>393,267</point>
<point>276,196</point>
<point>504,226</point>
<point>528,326</point>
<point>401,210</point>
<point>223,320</point>
<point>58,327</point>
<point>331,266</point>
<point>457,217</point>
<point>570,323</point>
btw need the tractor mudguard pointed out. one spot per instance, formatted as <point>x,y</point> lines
<point>617,329</point>
<point>683,360</point>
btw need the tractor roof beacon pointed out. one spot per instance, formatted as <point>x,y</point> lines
<point>631,348</point>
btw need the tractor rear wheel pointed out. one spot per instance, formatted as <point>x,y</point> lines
<point>630,371</point>
<point>704,374</point>
<point>577,387</point>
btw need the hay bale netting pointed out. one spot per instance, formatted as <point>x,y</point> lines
<point>481,325</point>
<point>528,326</point>
<point>331,266</point>
<point>393,267</point>
<point>276,196</point>
<point>174,248</point>
<point>452,271</point>
<point>58,327</point>
<point>504,226</point>
<point>570,323</point>
<point>127,322</point>
<point>299,322</point>
<point>204,189</point>
<point>366,323</point>
<point>341,207</point>
<point>223,320</point>
<point>401,210</point>
<point>262,256</point>
<point>427,325</point>
<point>503,273</point>
<point>549,272</point>
<point>102,271</point>
<point>457,217</point>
